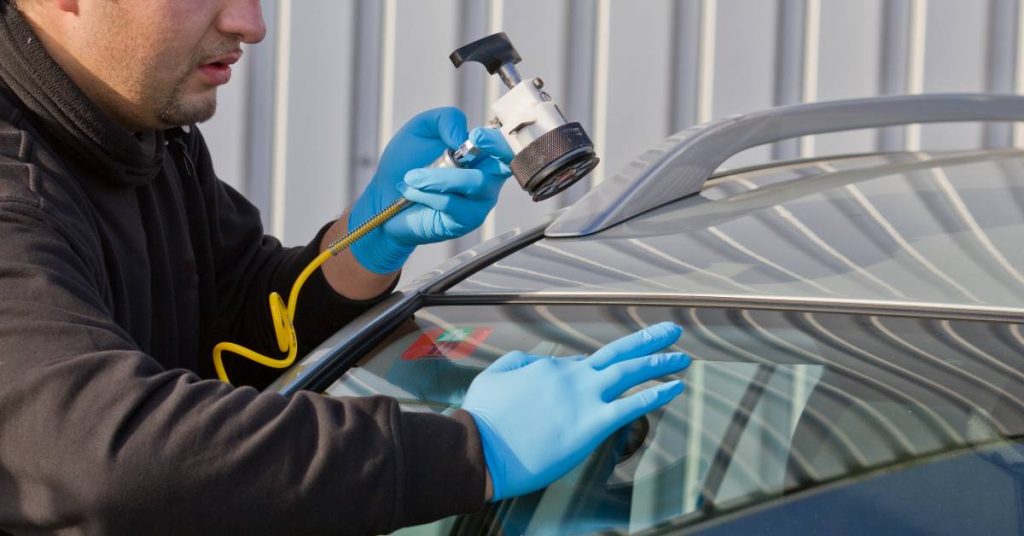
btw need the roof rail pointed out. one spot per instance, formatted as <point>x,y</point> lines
<point>680,165</point>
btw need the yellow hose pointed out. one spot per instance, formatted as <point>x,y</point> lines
<point>283,316</point>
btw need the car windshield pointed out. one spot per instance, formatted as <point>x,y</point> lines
<point>906,228</point>
<point>776,402</point>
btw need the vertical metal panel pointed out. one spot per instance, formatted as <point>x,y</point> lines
<point>1017,43</point>
<point>955,60</point>
<point>895,61</point>
<point>744,64</point>
<point>259,122</point>
<point>366,84</point>
<point>917,38</point>
<point>631,97</point>
<point>796,62</point>
<point>848,64</point>
<point>602,46</point>
<point>692,63</point>
<point>686,41</point>
<point>903,42</point>
<point>580,30</point>
<point>706,82</point>
<point>417,75</point>
<point>812,37</point>
<point>1000,68</point>
<point>915,63</point>
<point>224,132</point>
<point>812,44</point>
<point>282,62</point>
<point>388,47</point>
<point>790,36</point>
<point>317,132</point>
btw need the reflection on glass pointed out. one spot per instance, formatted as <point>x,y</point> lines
<point>776,402</point>
<point>943,231</point>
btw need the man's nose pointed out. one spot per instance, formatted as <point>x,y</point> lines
<point>243,18</point>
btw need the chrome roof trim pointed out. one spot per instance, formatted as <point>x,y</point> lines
<point>781,303</point>
<point>680,165</point>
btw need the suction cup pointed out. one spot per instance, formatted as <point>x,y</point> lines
<point>555,161</point>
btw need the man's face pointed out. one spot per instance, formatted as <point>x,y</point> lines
<point>157,63</point>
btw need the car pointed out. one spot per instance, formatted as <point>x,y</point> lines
<point>856,324</point>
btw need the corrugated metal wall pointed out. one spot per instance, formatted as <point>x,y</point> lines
<point>300,126</point>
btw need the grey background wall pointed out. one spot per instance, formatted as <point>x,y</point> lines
<point>300,126</point>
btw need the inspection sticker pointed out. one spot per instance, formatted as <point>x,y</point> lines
<point>451,343</point>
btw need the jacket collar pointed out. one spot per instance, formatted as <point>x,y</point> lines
<point>76,126</point>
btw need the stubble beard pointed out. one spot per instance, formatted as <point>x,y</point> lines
<point>178,110</point>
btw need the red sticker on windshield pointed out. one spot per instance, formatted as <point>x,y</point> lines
<point>455,343</point>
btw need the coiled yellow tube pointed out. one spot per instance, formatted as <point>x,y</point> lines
<point>282,316</point>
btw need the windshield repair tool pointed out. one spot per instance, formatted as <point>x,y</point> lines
<point>551,154</point>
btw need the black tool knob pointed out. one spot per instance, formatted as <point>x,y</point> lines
<point>492,51</point>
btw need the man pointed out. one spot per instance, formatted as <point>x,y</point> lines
<point>123,260</point>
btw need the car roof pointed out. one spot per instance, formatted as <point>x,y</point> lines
<point>898,231</point>
<point>681,164</point>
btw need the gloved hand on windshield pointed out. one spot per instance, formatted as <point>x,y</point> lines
<point>449,202</point>
<point>540,416</point>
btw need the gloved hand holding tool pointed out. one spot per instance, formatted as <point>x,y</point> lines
<point>449,201</point>
<point>454,192</point>
<point>541,416</point>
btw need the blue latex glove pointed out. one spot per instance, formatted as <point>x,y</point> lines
<point>539,417</point>
<point>450,202</point>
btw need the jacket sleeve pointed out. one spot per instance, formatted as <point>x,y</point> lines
<point>99,438</point>
<point>249,265</point>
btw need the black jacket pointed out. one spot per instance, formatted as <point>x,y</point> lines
<point>123,260</point>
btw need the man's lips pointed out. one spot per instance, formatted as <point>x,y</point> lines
<point>217,71</point>
<point>227,59</point>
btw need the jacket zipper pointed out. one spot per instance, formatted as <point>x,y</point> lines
<point>186,160</point>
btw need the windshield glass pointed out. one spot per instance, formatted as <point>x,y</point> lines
<point>775,402</point>
<point>923,230</point>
